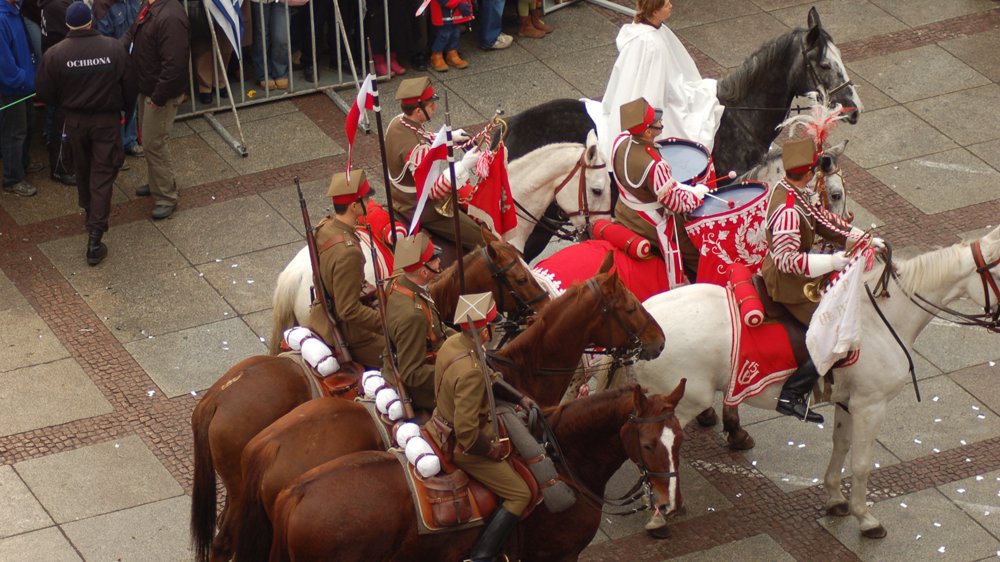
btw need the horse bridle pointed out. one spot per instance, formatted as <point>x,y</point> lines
<point>625,354</point>
<point>499,275</point>
<point>811,71</point>
<point>583,206</point>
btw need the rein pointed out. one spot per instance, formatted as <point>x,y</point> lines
<point>642,486</point>
<point>583,206</point>
<point>523,307</point>
<point>621,355</point>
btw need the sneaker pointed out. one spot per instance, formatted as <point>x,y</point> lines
<point>135,150</point>
<point>143,190</point>
<point>163,210</point>
<point>67,179</point>
<point>33,167</point>
<point>21,189</point>
<point>503,41</point>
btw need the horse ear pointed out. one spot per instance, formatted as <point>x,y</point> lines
<point>677,394</point>
<point>591,138</point>
<point>607,264</point>
<point>488,235</point>
<point>836,151</point>
<point>812,21</point>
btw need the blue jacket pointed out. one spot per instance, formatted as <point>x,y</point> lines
<point>17,69</point>
<point>119,18</point>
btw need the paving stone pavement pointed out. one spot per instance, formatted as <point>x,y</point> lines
<point>100,367</point>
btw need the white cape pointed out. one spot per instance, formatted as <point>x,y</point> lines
<point>652,63</point>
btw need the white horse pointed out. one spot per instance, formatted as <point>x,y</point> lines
<point>568,173</point>
<point>697,325</point>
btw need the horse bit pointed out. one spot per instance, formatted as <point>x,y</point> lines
<point>499,275</point>
<point>583,205</point>
<point>625,354</point>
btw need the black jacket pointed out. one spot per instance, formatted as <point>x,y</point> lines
<point>160,43</point>
<point>87,73</point>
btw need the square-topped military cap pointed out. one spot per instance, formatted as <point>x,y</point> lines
<point>478,308</point>
<point>412,252</point>
<point>416,90</point>
<point>345,192</point>
<point>637,115</point>
<point>799,155</point>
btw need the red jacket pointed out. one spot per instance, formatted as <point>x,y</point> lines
<point>447,11</point>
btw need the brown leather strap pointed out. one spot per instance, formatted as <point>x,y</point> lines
<point>408,293</point>
<point>437,387</point>
<point>335,238</point>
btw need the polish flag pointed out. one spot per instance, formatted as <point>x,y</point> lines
<point>430,168</point>
<point>364,101</point>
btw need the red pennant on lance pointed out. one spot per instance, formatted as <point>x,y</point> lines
<point>366,100</point>
<point>430,168</point>
<point>492,202</point>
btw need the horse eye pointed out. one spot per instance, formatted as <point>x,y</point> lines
<point>596,191</point>
<point>825,65</point>
<point>648,447</point>
<point>836,197</point>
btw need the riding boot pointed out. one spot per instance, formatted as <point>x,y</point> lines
<point>792,401</point>
<point>494,536</point>
<point>96,250</point>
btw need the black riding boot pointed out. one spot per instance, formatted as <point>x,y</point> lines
<point>96,250</point>
<point>793,394</point>
<point>494,536</point>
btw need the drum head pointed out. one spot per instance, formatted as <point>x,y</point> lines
<point>740,194</point>
<point>687,160</point>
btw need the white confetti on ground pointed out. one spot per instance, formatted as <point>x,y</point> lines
<point>150,393</point>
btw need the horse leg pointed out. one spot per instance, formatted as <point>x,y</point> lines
<point>738,438</point>
<point>708,418</point>
<point>867,422</point>
<point>836,505</point>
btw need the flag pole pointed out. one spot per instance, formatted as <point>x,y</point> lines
<point>381,146</point>
<point>459,250</point>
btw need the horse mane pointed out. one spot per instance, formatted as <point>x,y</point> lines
<point>590,404</point>
<point>524,350</point>
<point>739,83</point>
<point>528,160</point>
<point>446,287</point>
<point>931,270</point>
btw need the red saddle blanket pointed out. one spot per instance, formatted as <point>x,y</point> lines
<point>579,262</point>
<point>761,356</point>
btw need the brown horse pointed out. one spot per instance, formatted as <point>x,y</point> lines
<point>358,507</point>
<point>259,390</point>
<point>322,430</point>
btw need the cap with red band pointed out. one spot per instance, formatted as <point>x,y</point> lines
<point>413,252</point>
<point>415,90</point>
<point>637,115</point>
<point>344,192</point>
<point>799,156</point>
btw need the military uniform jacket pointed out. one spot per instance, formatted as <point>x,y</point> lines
<point>400,142</point>
<point>786,288</point>
<point>341,265</point>
<point>636,167</point>
<point>417,333</point>
<point>461,391</point>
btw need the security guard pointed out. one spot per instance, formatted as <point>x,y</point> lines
<point>415,327</point>
<point>651,201</point>
<point>90,78</point>
<point>464,419</point>
<point>341,264</point>
<point>406,145</point>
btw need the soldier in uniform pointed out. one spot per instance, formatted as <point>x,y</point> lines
<point>415,328</point>
<point>793,221</point>
<point>651,202</point>
<point>463,420</point>
<point>406,145</point>
<point>341,264</point>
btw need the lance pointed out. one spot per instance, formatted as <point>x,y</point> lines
<point>460,250</point>
<point>381,147</point>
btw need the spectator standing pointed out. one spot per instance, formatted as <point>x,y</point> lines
<point>491,36</point>
<point>60,155</point>
<point>160,45</point>
<point>270,31</point>
<point>113,19</point>
<point>90,77</point>
<point>447,16</point>
<point>209,75</point>
<point>531,20</point>
<point>17,80</point>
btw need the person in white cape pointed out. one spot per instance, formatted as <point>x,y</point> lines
<point>653,64</point>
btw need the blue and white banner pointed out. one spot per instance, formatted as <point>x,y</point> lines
<point>226,14</point>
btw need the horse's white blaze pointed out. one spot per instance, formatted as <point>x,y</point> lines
<point>833,53</point>
<point>667,437</point>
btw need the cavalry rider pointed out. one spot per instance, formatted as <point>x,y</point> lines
<point>793,221</point>
<point>341,264</point>
<point>463,420</point>
<point>406,145</point>
<point>415,328</point>
<point>651,202</point>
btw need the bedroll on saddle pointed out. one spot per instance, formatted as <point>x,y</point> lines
<point>558,495</point>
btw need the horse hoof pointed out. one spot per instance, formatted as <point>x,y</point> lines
<point>708,418</point>
<point>838,510</point>
<point>874,533</point>
<point>741,441</point>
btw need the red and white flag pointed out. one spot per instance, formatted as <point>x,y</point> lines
<point>434,163</point>
<point>492,203</point>
<point>364,101</point>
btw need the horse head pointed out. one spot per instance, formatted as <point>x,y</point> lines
<point>652,439</point>
<point>983,286</point>
<point>622,323</point>
<point>833,181</point>
<point>825,70</point>
<point>514,289</point>
<point>588,193</point>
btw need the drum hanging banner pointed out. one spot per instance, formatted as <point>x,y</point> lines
<point>727,235</point>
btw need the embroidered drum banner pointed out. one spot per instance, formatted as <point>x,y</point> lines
<point>727,235</point>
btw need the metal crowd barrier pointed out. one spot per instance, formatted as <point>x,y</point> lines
<point>332,79</point>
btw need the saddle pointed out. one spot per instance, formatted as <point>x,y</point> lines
<point>341,384</point>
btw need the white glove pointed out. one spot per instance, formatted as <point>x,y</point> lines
<point>878,243</point>
<point>700,190</point>
<point>460,136</point>
<point>470,158</point>
<point>821,264</point>
<point>840,260</point>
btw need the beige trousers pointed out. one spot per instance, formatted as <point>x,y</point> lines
<point>155,124</point>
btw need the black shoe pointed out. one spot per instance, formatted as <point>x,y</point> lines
<point>68,179</point>
<point>33,167</point>
<point>224,93</point>
<point>796,406</point>
<point>205,98</point>
<point>143,190</point>
<point>419,62</point>
<point>163,210</point>
<point>494,536</point>
<point>96,250</point>
<point>309,73</point>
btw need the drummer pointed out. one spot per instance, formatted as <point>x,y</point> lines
<point>651,202</point>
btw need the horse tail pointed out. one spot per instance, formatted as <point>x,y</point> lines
<point>254,536</point>
<point>203,495</point>
<point>284,506</point>
<point>283,315</point>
